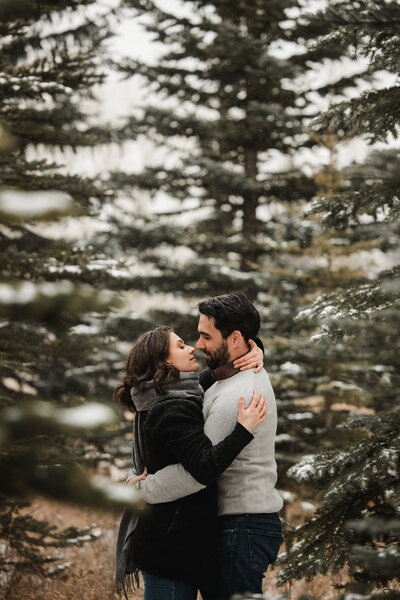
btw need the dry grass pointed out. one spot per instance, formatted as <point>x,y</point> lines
<point>91,576</point>
<point>321,587</point>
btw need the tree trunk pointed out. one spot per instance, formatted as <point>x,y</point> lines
<point>250,203</point>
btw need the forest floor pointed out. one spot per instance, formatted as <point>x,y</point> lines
<point>91,575</point>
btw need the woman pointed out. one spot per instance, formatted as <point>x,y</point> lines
<point>174,544</point>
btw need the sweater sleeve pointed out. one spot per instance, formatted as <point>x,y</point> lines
<point>168,484</point>
<point>180,427</point>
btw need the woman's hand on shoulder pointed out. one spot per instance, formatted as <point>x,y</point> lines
<point>254,359</point>
<point>254,414</point>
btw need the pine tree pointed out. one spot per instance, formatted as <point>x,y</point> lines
<point>50,424</point>
<point>221,111</point>
<point>198,113</point>
<point>319,259</point>
<point>356,526</point>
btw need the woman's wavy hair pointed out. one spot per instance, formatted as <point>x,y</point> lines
<point>146,361</point>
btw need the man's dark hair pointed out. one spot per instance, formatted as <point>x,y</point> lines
<point>232,312</point>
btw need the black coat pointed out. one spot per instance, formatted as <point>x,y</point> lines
<point>179,540</point>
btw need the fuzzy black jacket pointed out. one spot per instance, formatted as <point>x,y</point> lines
<point>179,539</point>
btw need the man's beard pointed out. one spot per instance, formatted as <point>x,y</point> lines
<point>219,357</point>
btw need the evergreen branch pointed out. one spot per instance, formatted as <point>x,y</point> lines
<point>374,114</point>
<point>30,86</point>
<point>28,301</point>
<point>39,175</point>
<point>377,13</point>
<point>376,462</point>
<point>384,561</point>
<point>40,9</point>
<point>379,201</point>
<point>20,36</point>
<point>362,302</point>
<point>375,527</point>
<point>344,83</point>
<point>50,126</point>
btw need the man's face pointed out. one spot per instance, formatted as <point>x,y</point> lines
<point>214,346</point>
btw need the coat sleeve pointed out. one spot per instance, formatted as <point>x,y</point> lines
<point>180,427</point>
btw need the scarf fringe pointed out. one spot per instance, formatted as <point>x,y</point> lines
<point>132,580</point>
<point>127,573</point>
<point>129,583</point>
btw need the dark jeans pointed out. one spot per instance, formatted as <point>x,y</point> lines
<point>250,542</point>
<point>160,588</point>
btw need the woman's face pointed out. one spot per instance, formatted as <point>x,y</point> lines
<point>181,356</point>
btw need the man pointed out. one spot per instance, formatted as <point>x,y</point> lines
<point>247,499</point>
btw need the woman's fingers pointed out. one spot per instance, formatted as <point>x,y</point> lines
<point>263,417</point>
<point>254,400</point>
<point>255,412</point>
<point>261,408</point>
<point>138,478</point>
<point>257,404</point>
<point>242,362</point>
<point>251,359</point>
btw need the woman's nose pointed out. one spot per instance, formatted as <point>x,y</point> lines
<point>191,349</point>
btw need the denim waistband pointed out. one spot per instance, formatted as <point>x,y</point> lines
<point>224,519</point>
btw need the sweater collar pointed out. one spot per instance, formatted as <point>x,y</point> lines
<point>186,387</point>
<point>225,371</point>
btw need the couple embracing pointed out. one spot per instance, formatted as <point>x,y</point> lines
<point>204,446</point>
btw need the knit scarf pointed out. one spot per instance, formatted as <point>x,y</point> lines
<point>186,388</point>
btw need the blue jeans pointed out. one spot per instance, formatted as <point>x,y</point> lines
<point>160,588</point>
<point>249,543</point>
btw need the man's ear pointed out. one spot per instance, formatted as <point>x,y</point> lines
<point>236,338</point>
